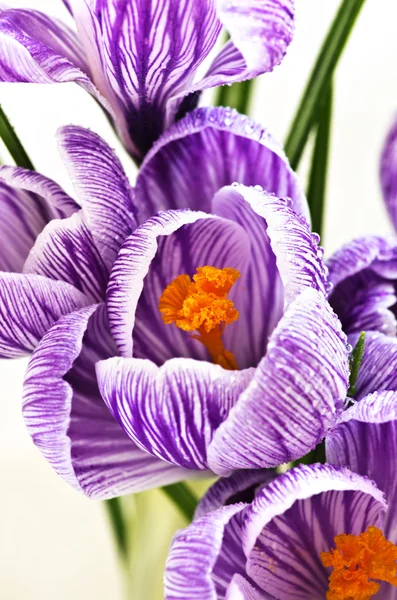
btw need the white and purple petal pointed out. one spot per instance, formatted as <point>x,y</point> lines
<point>296,517</point>
<point>388,173</point>
<point>208,149</point>
<point>65,251</point>
<point>29,305</point>
<point>193,555</point>
<point>365,439</point>
<point>170,411</point>
<point>297,391</point>
<point>70,423</point>
<point>378,370</point>
<point>101,186</point>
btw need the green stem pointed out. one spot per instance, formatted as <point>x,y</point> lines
<point>115,514</point>
<point>183,497</point>
<point>12,143</point>
<point>318,174</point>
<point>237,96</point>
<point>320,78</point>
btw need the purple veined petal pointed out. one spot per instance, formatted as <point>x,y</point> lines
<point>208,149</point>
<point>365,439</point>
<point>170,411</point>
<point>193,554</point>
<point>65,251</point>
<point>29,305</point>
<point>240,589</point>
<point>35,48</point>
<point>388,173</point>
<point>239,487</point>
<point>102,188</point>
<point>260,34</point>
<point>69,422</point>
<point>28,201</point>
<point>55,203</point>
<point>296,517</point>
<point>141,54</point>
<point>362,275</point>
<point>378,371</point>
<point>295,395</point>
<point>147,263</point>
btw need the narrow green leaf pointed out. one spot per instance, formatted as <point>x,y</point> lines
<point>316,192</point>
<point>320,78</point>
<point>236,96</point>
<point>12,143</point>
<point>115,514</point>
<point>183,497</point>
<point>356,358</point>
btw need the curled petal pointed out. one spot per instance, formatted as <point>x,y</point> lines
<point>193,554</point>
<point>295,395</point>
<point>378,371</point>
<point>29,305</point>
<point>65,251</point>
<point>365,440</point>
<point>388,173</point>
<point>102,188</point>
<point>170,411</point>
<point>70,423</point>
<point>208,149</point>
<point>296,517</point>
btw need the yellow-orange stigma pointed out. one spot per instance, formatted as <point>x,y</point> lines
<point>202,305</point>
<point>360,563</point>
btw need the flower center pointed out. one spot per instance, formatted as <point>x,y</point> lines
<point>202,305</point>
<point>357,560</point>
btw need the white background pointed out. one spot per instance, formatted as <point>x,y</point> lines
<point>54,544</point>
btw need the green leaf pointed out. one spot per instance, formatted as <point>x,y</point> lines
<point>356,358</point>
<point>318,174</point>
<point>12,143</point>
<point>116,518</point>
<point>320,78</point>
<point>183,497</point>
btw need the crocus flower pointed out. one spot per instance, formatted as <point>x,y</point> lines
<point>140,58</point>
<point>317,531</point>
<point>363,274</point>
<point>217,349</point>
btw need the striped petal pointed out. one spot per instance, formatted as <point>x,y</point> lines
<point>164,247</point>
<point>366,441</point>
<point>363,275</point>
<point>378,371</point>
<point>296,517</point>
<point>29,305</point>
<point>208,149</point>
<point>102,188</point>
<point>193,555</point>
<point>27,202</point>
<point>388,173</point>
<point>241,589</point>
<point>35,48</point>
<point>142,53</point>
<point>260,34</point>
<point>170,411</point>
<point>295,395</point>
<point>65,251</point>
<point>70,423</point>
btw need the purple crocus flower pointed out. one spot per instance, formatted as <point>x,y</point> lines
<point>258,535</point>
<point>255,288</point>
<point>140,58</point>
<point>363,274</point>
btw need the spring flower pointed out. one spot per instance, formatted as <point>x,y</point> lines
<point>216,348</point>
<point>140,58</point>
<point>363,275</point>
<point>318,531</point>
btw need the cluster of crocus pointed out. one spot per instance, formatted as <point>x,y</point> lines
<point>189,325</point>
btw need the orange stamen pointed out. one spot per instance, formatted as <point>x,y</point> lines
<point>202,305</point>
<point>360,563</point>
